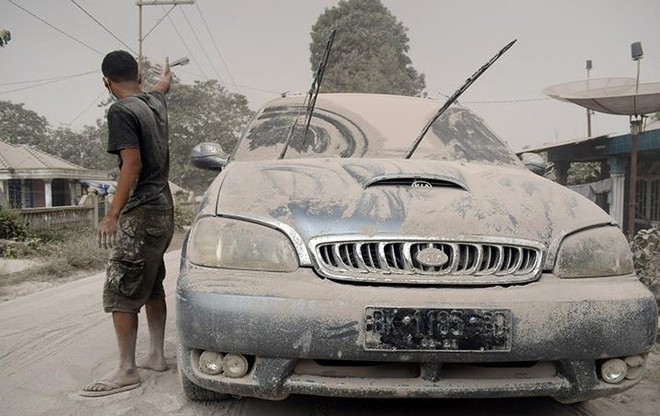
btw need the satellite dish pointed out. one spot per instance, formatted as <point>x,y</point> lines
<point>621,96</point>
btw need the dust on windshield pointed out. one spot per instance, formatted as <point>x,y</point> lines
<point>364,127</point>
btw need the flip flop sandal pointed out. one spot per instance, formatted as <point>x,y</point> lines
<point>111,388</point>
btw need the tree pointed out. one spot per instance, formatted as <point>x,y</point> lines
<point>369,52</point>
<point>202,112</point>
<point>86,148</point>
<point>21,126</point>
<point>583,172</point>
<point>5,37</point>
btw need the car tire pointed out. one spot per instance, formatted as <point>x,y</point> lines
<point>197,393</point>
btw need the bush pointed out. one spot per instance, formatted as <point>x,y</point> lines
<point>78,250</point>
<point>12,226</point>
<point>646,256</point>
<point>183,216</point>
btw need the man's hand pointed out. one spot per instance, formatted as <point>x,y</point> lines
<point>165,70</point>
<point>128,176</point>
<point>163,86</point>
<point>107,233</point>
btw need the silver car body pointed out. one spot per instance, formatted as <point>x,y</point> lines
<point>455,273</point>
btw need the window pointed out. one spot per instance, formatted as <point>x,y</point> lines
<point>648,198</point>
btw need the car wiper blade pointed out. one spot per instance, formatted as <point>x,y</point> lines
<point>310,98</point>
<point>318,78</point>
<point>455,96</point>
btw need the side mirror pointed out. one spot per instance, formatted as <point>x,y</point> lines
<point>209,156</point>
<point>535,162</point>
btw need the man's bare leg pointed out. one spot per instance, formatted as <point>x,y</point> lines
<point>126,326</point>
<point>156,317</point>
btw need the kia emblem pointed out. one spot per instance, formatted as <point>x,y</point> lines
<point>432,257</point>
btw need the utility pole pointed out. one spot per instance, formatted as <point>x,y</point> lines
<point>589,66</point>
<point>141,3</point>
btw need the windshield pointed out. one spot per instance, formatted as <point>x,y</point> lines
<point>373,126</point>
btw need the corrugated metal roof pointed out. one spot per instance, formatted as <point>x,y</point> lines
<point>22,157</point>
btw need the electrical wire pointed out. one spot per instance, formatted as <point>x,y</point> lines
<point>101,24</point>
<point>47,82</point>
<point>56,28</point>
<point>88,107</point>
<point>217,49</point>
<point>523,100</point>
<point>2,84</point>
<point>192,56</point>
<point>158,22</point>
<point>201,46</point>
<point>178,69</point>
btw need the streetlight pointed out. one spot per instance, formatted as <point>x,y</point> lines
<point>636,54</point>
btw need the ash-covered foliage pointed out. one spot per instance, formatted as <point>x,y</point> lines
<point>646,256</point>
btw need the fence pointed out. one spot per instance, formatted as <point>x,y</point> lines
<point>80,216</point>
<point>59,217</point>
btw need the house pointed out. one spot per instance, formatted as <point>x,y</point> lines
<point>30,178</point>
<point>612,190</point>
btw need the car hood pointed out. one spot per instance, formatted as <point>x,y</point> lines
<point>318,197</point>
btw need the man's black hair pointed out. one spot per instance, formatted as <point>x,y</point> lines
<point>120,66</point>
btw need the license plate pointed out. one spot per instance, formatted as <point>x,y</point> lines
<point>408,329</point>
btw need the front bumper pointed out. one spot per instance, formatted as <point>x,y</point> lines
<point>305,335</point>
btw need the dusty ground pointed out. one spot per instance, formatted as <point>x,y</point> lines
<point>21,277</point>
<point>54,341</point>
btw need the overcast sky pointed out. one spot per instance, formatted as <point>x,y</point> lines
<point>265,47</point>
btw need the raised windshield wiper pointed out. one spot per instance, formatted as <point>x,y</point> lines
<point>310,98</point>
<point>455,96</point>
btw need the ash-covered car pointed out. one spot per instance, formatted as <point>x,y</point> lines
<point>333,259</point>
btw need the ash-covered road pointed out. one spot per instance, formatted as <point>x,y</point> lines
<point>53,342</point>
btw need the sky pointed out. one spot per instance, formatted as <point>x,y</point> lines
<point>260,48</point>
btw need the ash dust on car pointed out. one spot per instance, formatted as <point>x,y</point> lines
<point>393,247</point>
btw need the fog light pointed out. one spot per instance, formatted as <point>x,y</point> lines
<point>235,365</point>
<point>635,365</point>
<point>210,362</point>
<point>614,370</point>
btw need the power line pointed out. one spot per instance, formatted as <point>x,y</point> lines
<point>256,89</point>
<point>56,28</point>
<point>158,22</point>
<point>235,85</point>
<point>217,49</point>
<point>201,46</point>
<point>523,100</point>
<point>192,56</point>
<point>100,24</point>
<point>47,82</point>
<point>44,79</point>
<point>88,107</point>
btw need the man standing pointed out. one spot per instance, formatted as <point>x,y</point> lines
<point>139,222</point>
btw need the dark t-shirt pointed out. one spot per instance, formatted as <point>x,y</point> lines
<point>140,122</point>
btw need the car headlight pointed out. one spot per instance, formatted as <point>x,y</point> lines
<point>598,252</point>
<point>234,244</point>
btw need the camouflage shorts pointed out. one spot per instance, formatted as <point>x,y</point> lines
<point>136,268</point>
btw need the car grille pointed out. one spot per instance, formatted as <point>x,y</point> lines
<point>391,261</point>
